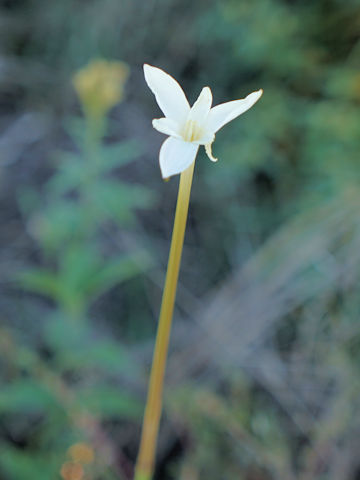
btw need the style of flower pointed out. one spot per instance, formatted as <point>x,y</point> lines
<point>188,128</point>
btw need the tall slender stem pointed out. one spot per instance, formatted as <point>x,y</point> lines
<point>146,458</point>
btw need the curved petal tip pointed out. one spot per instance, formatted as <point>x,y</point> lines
<point>254,96</point>
<point>208,150</point>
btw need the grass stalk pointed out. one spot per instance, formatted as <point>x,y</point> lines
<point>146,457</point>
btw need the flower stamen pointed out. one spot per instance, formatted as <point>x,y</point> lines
<point>192,131</point>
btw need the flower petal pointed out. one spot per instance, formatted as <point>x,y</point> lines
<point>206,137</point>
<point>225,112</point>
<point>199,111</point>
<point>208,150</point>
<point>168,93</point>
<point>176,156</point>
<point>167,126</point>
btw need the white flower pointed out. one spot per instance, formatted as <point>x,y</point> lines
<point>188,127</point>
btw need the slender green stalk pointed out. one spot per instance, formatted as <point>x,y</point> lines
<point>146,458</point>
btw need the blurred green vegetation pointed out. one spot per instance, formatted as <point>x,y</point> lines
<point>263,375</point>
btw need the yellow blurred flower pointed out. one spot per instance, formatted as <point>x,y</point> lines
<point>81,453</point>
<point>100,85</point>
<point>72,471</point>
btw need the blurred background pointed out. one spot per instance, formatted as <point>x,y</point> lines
<point>263,374</point>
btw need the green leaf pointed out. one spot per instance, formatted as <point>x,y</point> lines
<point>65,335</point>
<point>107,356</point>
<point>78,264</point>
<point>61,221</point>
<point>117,270</point>
<point>26,396</point>
<point>119,154</point>
<point>22,465</point>
<point>118,200</point>
<point>71,173</point>
<point>76,128</point>
<point>110,401</point>
<point>39,281</point>
<point>77,347</point>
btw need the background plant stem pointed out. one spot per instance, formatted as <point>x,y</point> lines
<point>146,458</point>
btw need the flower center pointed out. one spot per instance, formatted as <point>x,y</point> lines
<point>192,131</point>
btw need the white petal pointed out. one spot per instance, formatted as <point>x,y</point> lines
<point>208,150</point>
<point>199,111</point>
<point>168,93</point>
<point>176,156</point>
<point>167,126</point>
<point>206,137</point>
<point>225,112</point>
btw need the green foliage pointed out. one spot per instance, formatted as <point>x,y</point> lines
<point>110,401</point>
<point>80,203</point>
<point>25,395</point>
<point>279,211</point>
<point>80,199</point>
<point>28,465</point>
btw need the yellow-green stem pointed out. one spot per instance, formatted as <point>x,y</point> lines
<point>146,458</point>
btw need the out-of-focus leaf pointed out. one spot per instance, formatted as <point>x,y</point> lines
<point>84,273</point>
<point>78,264</point>
<point>76,346</point>
<point>118,154</point>
<point>71,172</point>
<point>58,223</point>
<point>118,201</point>
<point>76,128</point>
<point>25,395</point>
<point>118,270</point>
<point>63,334</point>
<point>110,401</point>
<point>28,465</point>
<point>344,83</point>
<point>40,281</point>
<point>74,169</point>
<point>107,356</point>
